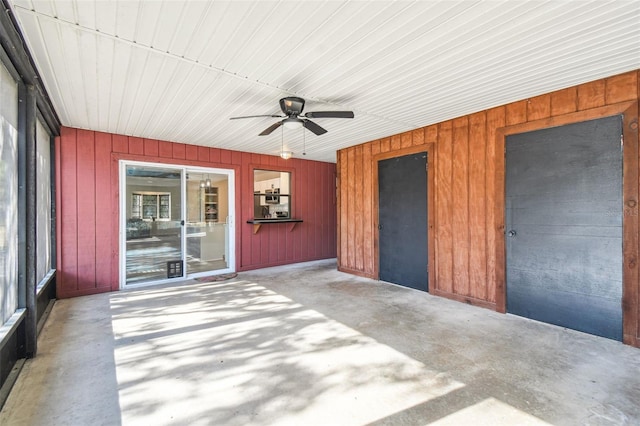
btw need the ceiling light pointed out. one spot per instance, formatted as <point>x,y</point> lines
<point>286,154</point>
<point>292,123</point>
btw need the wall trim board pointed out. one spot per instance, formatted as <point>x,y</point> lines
<point>431,240</point>
<point>629,113</point>
<point>356,272</point>
<point>464,299</point>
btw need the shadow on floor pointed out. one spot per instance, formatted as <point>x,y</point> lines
<point>305,344</point>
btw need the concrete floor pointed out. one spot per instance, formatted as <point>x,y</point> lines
<point>306,345</point>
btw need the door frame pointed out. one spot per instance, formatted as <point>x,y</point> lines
<point>630,291</point>
<point>429,148</point>
<point>184,169</point>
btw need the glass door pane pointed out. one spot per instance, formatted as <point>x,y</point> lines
<point>153,214</point>
<point>207,223</point>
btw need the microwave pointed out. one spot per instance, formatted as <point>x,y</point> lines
<point>271,196</point>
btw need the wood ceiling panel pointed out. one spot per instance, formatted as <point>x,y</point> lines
<point>178,70</point>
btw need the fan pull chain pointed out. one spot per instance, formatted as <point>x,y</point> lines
<point>304,143</point>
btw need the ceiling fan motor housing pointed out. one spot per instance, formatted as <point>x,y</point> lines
<point>292,106</point>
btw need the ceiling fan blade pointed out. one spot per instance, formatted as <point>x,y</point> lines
<point>329,114</point>
<point>256,116</point>
<point>271,128</point>
<point>314,127</point>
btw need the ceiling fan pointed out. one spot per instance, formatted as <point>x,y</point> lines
<point>292,109</point>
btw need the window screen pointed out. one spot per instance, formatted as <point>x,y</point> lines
<point>43,201</point>
<point>8,195</point>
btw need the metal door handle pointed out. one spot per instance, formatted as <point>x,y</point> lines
<point>511,233</point>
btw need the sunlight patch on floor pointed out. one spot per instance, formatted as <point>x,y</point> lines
<point>488,413</point>
<point>237,353</point>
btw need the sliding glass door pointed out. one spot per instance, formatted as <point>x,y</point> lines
<point>153,225</point>
<point>208,222</point>
<point>176,222</point>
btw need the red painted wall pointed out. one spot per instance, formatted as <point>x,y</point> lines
<point>87,206</point>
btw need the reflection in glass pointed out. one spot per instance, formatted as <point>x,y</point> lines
<point>153,239</point>
<point>271,194</point>
<point>207,222</point>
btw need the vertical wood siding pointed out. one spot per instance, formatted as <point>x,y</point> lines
<point>467,190</point>
<point>88,206</point>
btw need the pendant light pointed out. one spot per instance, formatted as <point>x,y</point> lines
<point>284,154</point>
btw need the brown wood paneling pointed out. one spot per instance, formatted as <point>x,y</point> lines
<point>385,145</point>
<point>494,197</point>
<point>469,189</point>
<point>368,210</point>
<point>564,101</point>
<point>460,206</point>
<point>477,207</point>
<point>359,207</point>
<point>431,213</point>
<point>591,95</point>
<point>417,137</point>
<point>344,208</point>
<point>621,88</point>
<point>431,134</point>
<point>375,148</point>
<point>444,209</point>
<point>396,142</point>
<point>539,107</point>
<point>516,112</point>
<point>351,209</point>
<point>630,290</point>
<point>406,140</point>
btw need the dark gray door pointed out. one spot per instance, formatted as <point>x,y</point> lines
<point>564,226</point>
<point>402,186</point>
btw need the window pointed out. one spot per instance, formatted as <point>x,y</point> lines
<point>151,206</point>
<point>8,195</point>
<point>271,194</point>
<point>43,201</point>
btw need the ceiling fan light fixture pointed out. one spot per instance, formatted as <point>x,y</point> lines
<point>292,123</point>
<point>286,154</point>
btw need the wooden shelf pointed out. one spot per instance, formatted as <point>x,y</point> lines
<point>257,223</point>
<point>211,204</point>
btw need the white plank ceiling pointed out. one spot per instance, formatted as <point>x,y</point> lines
<point>178,70</point>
